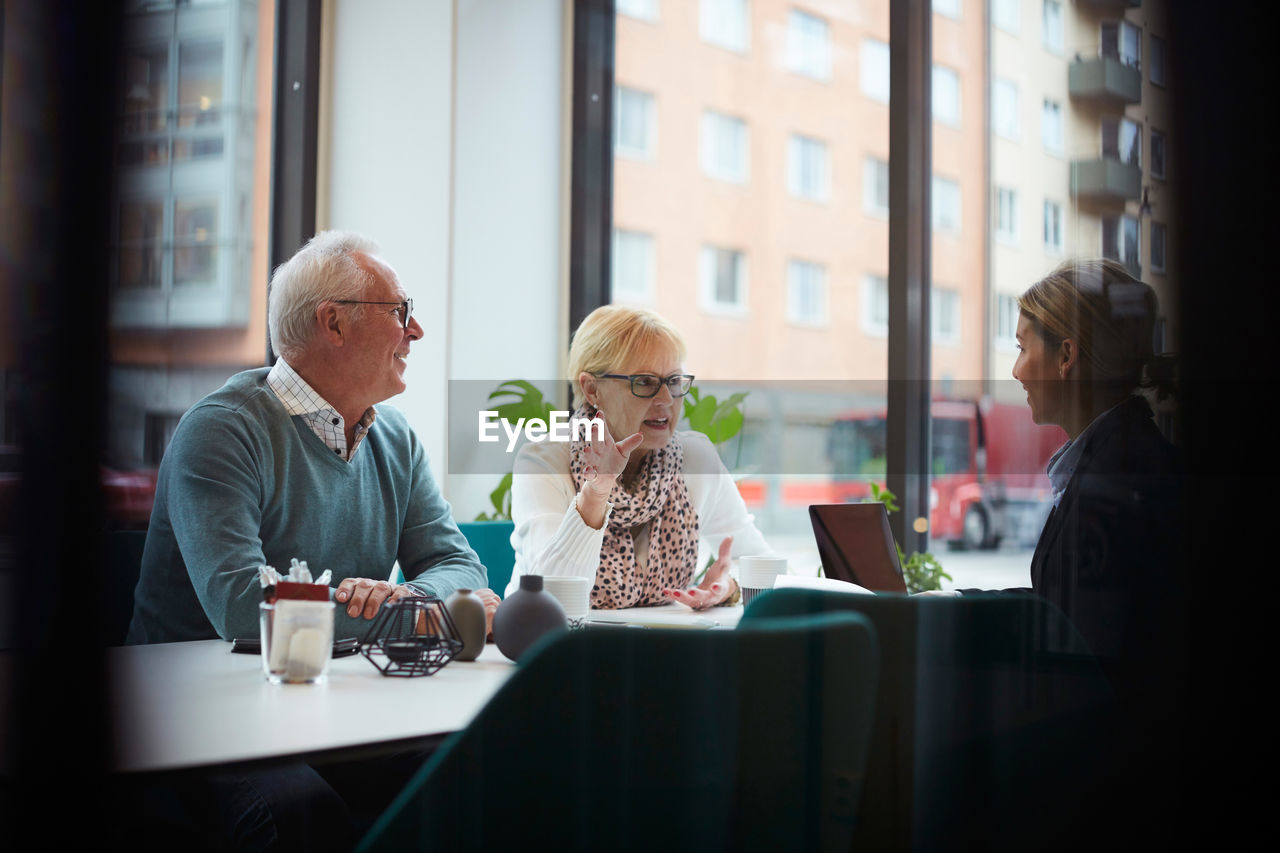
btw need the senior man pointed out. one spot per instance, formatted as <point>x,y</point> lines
<point>297,461</point>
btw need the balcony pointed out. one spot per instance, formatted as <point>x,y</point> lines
<point>1106,81</point>
<point>1105,181</point>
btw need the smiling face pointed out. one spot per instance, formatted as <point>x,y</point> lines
<point>1039,369</point>
<point>378,340</point>
<point>655,418</point>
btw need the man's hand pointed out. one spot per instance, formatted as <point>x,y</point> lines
<point>363,596</point>
<point>491,602</point>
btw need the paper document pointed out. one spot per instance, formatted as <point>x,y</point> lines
<point>828,584</point>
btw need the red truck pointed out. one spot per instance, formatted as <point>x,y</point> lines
<point>987,484</point>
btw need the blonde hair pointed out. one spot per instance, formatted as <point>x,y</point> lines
<point>612,336</point>
<point>1108,313</point>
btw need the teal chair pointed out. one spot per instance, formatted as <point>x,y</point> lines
<point>617,739</point>
<point>994,724</point>
<point>491,540</point>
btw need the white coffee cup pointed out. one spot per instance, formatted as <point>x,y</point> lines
<point>573,593</point>
<point>757,573</point>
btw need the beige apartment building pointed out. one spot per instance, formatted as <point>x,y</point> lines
<point>751,184</point>
<point>1080,114</point>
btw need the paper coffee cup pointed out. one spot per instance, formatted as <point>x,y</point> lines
<point>756,574</point>
<point>573,593</point>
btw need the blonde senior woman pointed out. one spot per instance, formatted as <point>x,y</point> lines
<point>628,509</point>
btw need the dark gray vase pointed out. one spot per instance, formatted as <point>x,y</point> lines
<point>525,616</point>
<point>467,612</point>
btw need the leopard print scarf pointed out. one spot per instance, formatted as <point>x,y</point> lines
<point>657,496</point>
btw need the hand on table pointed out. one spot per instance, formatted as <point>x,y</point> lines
<point>491,602</point>
<point>363,596</point>
<point>947,592</point>
<point>715,587</point>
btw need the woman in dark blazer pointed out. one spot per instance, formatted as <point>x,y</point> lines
<point>1107,554</point>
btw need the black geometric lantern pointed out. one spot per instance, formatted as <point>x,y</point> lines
<point>394,646</point>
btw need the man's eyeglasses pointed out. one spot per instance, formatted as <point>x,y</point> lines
<point>405,308</point>
<point>647,385</point>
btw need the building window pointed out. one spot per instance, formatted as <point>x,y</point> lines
<point>632,266</point>
<point>950,8</point>
<point>1158,235</point>
<point>1157,154</point>
<point>946,95</point>
<point>1051,25</point>
<point>1052,227</point>
<point>723,281</point>
<point>944,309</point>
<point>1122,140</point>
<point>806,293</point>
<point>634,126</point>
<point>1006,15</point>
<point>1006,215</point>
<point>184,147</point>
<point>1121,242</point>
<point>1155,45</point>
<point>875,305</point>
<point>808,45</point>
<point>1005,120</point>
<point>875,70</point>
<point>875,186</point>
<point>946,205</point>
<point>725,23</point>
<point>1006,320</point>
<point>724,147</point>
<point>1051,126</point>
<point>645,10</point>
<point>808,175</point>
<point>1121,41</point>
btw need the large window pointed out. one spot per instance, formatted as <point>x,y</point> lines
<point>635,131</point>
<point>807,168</point>
<point>633,266</point>
<point>1051,131</point>
<point>725,23</point>
<point>1121,242</point>
<point>185,153</point>
<point>1006,211</point>
<point>725,154</point>
<point>806,293</point>
<point>722,277</point>
<point>875,70</point>
<point>875,186</point>
<point>1005,118</point>
<point>189,215</point>
<point>946,205</point>
<point>808,45</point>
<point>946,95</point>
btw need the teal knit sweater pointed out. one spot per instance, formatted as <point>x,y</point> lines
<point>243,483</point>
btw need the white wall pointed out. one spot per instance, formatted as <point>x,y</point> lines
<point>446,148</point>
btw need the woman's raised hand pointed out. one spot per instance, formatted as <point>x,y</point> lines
<point>603,459</point>
<point>716,583</point>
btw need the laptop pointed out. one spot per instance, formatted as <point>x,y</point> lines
<point>856,545</point>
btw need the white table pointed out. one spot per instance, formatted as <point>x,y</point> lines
<point>184,705</point>
<point>181,705</point>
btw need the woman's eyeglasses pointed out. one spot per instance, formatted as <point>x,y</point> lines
<point>405,308</point>
<point>647,385</point>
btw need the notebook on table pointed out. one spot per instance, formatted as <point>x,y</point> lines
<point>856,545</point>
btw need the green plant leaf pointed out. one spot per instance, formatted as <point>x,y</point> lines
<point>528,402</point>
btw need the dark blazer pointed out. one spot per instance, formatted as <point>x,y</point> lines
<point>1108,553</point>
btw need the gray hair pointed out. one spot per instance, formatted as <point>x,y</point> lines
<point>321,271</point>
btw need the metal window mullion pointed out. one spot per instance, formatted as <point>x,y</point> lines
<point>591,186</point>
<point>910,171</point>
